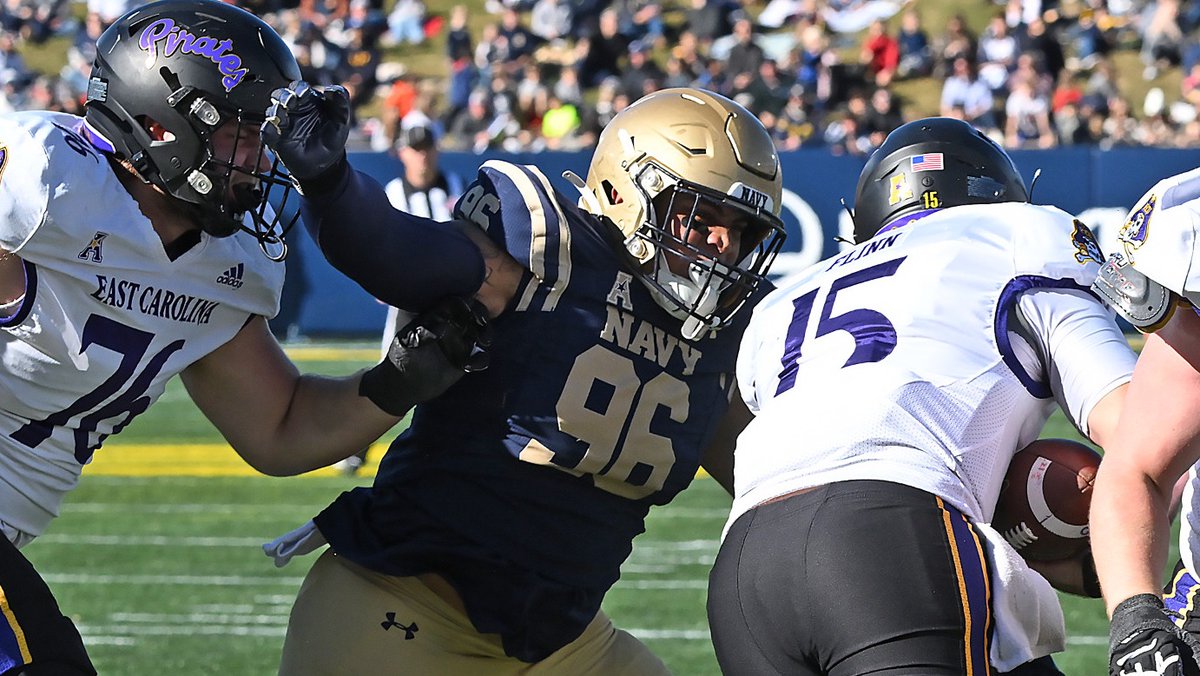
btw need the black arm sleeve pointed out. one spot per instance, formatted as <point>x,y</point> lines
<point>403,260</point>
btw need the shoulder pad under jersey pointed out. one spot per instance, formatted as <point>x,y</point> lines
<point>1142,301</point>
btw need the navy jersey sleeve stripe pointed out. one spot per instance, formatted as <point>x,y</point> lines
<point>534,230</point>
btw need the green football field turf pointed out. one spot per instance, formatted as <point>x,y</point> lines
<point>162,569</point>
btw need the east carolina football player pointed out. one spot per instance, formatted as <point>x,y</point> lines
<point>891,385</point>
<point>1152,280</point>
<point>132,249</point>
<point>501,517</point>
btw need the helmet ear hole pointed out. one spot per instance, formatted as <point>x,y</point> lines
<point>611,194</point>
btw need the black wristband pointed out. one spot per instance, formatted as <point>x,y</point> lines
<point>327,182</point>
<point>379,385</point>
<point>1091,581</point>
<point>1139,600</point>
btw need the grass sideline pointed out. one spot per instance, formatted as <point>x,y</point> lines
<point>157,558</point>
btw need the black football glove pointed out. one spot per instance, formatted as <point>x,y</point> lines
<point>429,354</point>
<point>307,130</point>
<point>1144,639</point>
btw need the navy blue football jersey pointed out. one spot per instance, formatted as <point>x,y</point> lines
<point>525,484</point>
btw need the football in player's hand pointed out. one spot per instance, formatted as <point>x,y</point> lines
<point>1043,507</point>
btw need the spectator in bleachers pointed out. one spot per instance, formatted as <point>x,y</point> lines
<point>641,20</point>
<point>491,52</point>
<point>406,22</point>
<point>520,40</point>
<point>1027,117</point>
<point>1101,86</point>
<point>676,74</point>
<point>1068,91</point>
<point>745,55</point>
<point>842,135</point>
<point>464,77</point>
<point>458,36</point>
<point>599,55</point>
<point>642,72</point>
<point>882,117</point>
<point>1029,68</point>
<point>795,120</point>
<point>998,50</point>
<point>956,41</point>
<point>319,58</point>
<point>916,54</point>
<point>779,13</point>
<point>533,95</point>
<point>593,119</point>
<point>708,20</point>
<point>109,10</point>
<point>1088,42</point>
<point>1162,39</point>
<point>12,64</point>
<point>357,67</point>
<point>769,89</point>
<point>964,91</point>
<point>714,78</point>
<point>560,125</point>
<point>1043,43</point>
<point>686,50</point>
<point>567,87</point>
<point>551,19</point>
<point>1119,128</point>
<point>880,54</point>
<point>811,58</point>
<point>469,129</point>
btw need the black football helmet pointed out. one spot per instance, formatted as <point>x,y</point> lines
<point>193,66</point>
<point>932,163</point>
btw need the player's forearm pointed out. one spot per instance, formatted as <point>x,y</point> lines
<point>327,420</point>
<point>1130,532</point>
<point>403,260</point>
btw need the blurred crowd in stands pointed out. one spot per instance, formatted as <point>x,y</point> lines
<point>548,74</point>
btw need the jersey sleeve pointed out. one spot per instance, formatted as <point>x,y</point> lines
<point>517,208</point>
<point>1159,235</point>
<point>1085,356</point>
<point>24,184</point>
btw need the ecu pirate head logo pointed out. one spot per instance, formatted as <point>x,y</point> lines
<point>1086,246</point>
<point>1133,234</point>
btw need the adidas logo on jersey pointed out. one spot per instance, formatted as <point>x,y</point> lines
<point>233,276</point>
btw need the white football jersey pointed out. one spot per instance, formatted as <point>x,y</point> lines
<point>926,356</point>
<point>107,317</point>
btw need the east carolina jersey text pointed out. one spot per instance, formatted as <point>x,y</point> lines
<point>107,317</point>
<point>525,484</point>
<point>896,360</point>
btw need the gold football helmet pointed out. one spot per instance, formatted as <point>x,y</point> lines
<point>689,152</point>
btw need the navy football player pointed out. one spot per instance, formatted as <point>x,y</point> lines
<point>501,517</point>
<point>131,250</point>
<point>1152,281</point>
<point>891,386</point>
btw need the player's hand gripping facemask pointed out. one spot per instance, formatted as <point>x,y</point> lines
<point>307,129</point>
